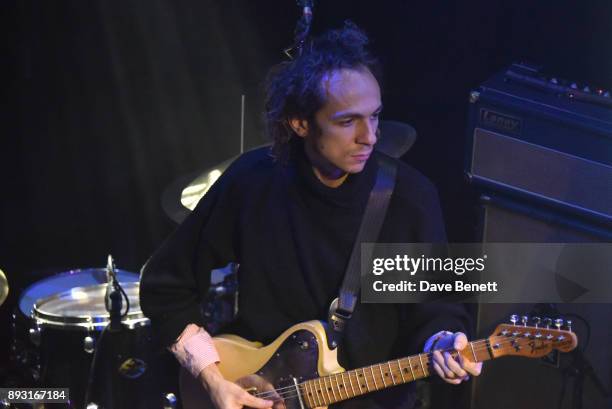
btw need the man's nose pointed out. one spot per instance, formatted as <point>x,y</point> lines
<point>369,133</point>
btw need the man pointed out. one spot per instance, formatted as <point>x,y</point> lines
<point>290,220</point>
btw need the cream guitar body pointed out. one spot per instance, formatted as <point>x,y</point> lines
<point>298,354</point>
<point>299,370</point>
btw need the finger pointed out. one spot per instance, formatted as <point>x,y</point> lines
<point>460,341</point>
<point>473,368</point>
<point>439,359</point>
<point>253,402</point>
<point>453,365</point>
<point>440,373</point>
<point>438,370</point>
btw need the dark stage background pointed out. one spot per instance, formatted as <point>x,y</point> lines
<point>110,102</point>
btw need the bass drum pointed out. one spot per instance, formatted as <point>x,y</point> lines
<point>67,319</point>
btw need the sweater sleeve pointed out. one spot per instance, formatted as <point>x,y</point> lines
<point>177,276</point>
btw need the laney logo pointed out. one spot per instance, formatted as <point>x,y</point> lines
<point>502,122</point>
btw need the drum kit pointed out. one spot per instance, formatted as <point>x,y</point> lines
<point>66,334</point>
<point>61,338</point>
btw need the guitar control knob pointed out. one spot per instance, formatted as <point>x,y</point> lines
<point>536,321</point>
<point>547,322</point>
<point>514,319</point>
<point>524,320</point>
<point>573,85</point>
<point>569,325</point>
<point>558,323</point>
<point>586,88</point>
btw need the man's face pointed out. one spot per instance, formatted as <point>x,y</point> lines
<point>347,124</point>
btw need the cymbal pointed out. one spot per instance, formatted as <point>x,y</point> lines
<point>4,287</point>
<point>182,196</point>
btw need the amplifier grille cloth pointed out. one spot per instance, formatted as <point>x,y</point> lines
<point>542,171</point>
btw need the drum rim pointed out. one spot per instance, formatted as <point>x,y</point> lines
<point>75,271</point>
<point>133,318</point>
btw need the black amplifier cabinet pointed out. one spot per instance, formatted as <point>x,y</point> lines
<point>544,141</point>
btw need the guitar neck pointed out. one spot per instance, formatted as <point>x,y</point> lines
<point>346,385</point>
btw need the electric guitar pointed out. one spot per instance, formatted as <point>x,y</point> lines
<point>299,368</point>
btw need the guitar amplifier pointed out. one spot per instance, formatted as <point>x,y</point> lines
<point>543,141</point>
<point>540,153</point>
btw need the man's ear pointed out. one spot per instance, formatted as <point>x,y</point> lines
<point>299,126</point>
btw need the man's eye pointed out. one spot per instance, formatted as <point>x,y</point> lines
<point>376,115</point>
<point>346,122</point>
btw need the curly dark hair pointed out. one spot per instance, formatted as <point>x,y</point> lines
<point>294,88</point>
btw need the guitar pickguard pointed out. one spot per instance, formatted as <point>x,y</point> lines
<point>296,358</point>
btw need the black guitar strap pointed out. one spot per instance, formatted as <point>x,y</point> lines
<point>342,307</point>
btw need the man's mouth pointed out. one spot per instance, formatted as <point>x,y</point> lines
<point>362,156</point>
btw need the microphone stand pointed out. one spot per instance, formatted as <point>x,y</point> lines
<point>104,389</point>
<point>302,28</point>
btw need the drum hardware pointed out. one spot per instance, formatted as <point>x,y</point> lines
<point>35,333</point>
<point>131,368</point>
<point>170,401</point>
<point>89,344</point>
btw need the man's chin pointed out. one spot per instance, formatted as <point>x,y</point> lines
<point>355,168</point>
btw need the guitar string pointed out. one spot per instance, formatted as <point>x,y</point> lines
<point>289,392</point>
<point>292,387</point>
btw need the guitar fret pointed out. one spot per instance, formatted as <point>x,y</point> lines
<point>473,353</point>
<point>339,389</point>
<point>366,379</point>
<point>313,390</point>
<point>391,372</point>
<point>325,390</point>
<point>303,389</point>
<point>411,370</point>
<point>382,375</point>
<point>308,385</point>
<point>358,381</point>
<point>399,365</point>
<point>344,385</point>
<point>351,382</point>
<point>422,366</point>
<point>374,378</point>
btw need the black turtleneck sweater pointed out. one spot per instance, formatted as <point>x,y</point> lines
<point>292,237</point>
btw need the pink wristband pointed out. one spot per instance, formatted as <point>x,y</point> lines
<point>195,349</point>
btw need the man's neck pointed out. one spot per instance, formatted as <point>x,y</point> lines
<point>329,181</point>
